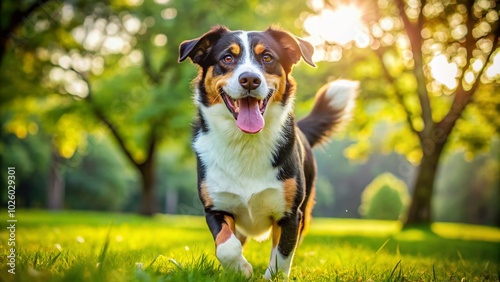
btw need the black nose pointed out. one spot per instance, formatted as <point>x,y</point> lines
<point>249,80</point>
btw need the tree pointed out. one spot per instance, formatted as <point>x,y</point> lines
<point>435,56</point>
<point>436,131</point>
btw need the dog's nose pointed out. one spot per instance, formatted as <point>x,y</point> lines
<point>249,80</point>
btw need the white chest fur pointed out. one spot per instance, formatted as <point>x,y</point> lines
<point>240,178</point>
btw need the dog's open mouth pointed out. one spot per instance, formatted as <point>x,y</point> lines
<point>247,111</point>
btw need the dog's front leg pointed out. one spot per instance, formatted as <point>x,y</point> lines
<point>285,234</point>
<point>228,248</point>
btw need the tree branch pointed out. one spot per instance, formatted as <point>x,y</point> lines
<point>421,18</point>
<point>102,117</point>
<point>164,67</point>
<point>148,69</point>
<point>413,32</point>
<point>19,16</point>
<point>152,138</point>
<point>470,42</point>
<point>399,96</point>
<point>464,97</point>
<point>15,20</point>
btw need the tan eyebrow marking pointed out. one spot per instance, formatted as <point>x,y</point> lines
<point>259,48</point>
<point>235,48</point>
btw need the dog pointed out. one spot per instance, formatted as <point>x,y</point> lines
<point>256,170</point>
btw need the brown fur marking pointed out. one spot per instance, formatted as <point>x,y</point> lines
<point>213,84</point>
<point>279,83</point>
<point>230,221</point>
<point>290,190</point>
<point>207,201</point>
<point>228,228</point>
<point>223,235</point>
<point>308,212</point>
<point>276,234</point>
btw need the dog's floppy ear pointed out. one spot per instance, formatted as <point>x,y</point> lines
<point>295,47</point>
<point>198,48</point>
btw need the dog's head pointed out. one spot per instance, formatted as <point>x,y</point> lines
<point>245,70</point>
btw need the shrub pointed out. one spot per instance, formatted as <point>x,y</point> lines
<point>386,197</point>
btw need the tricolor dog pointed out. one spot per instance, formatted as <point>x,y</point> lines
<point>256,171</point>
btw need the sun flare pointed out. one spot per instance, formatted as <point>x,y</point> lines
<point>340,26</point>
<point>334,29</point>
<point>443,71</point>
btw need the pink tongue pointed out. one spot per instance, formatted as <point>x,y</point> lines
<point>250,119</point>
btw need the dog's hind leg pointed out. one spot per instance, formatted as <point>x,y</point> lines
<point>228,248</point>
<point>285,234</point>
<point>306,209</point>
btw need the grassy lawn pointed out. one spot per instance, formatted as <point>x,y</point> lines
<point>88,246</point>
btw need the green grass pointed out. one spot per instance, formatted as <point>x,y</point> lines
<point>87,246</point>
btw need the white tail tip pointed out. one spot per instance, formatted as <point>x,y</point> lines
<point>342,94</point>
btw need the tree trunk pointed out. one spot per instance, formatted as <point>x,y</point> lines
<point>55,191</point>
<point>148,199</point>
<point>420,209</point>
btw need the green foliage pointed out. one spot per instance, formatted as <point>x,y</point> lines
<point>89,246</point>
<point>99,180</point>
<point>480,127</point>
<point>30,156</point>
<point>386,197</point>
<point>325,195</point>
<point>349,178</point>
<point>176,179</point>
<point>476,204</point>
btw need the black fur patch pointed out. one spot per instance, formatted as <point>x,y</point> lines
<point>284,157</point>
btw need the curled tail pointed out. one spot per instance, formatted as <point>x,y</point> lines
<point>333,106</point>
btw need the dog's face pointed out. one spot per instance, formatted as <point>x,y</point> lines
<point>246,71</point>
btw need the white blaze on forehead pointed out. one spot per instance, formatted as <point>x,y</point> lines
<point>245,57</point>
<point>246,64</point>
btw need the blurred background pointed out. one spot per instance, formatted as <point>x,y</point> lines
<point>96,112</point>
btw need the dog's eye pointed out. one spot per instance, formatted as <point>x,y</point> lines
<point>228,59</point>
<point>267,58</point>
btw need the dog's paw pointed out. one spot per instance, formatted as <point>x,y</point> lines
<point>246,268</point>
<point>230,256</point>
<point>241,265</point>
